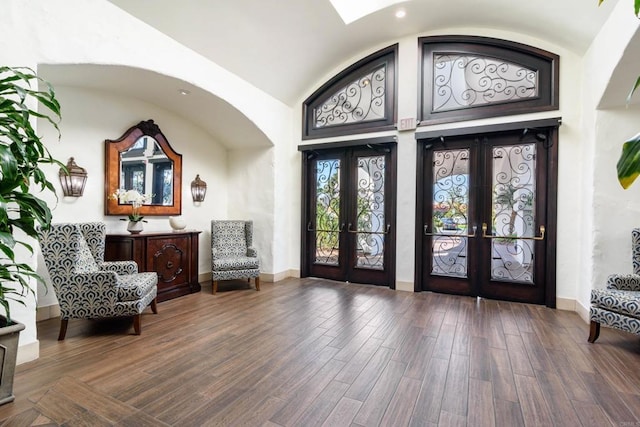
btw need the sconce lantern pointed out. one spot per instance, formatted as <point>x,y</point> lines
<point>198,189</point>
<point>73,179</point>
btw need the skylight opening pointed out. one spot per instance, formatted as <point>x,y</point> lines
<point>352,10</point>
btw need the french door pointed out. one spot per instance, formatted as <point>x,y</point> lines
<point>487,205</point>
<point>349,214</point>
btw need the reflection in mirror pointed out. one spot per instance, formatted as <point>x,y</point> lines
<point>146,168</point>
<point>142,160</point>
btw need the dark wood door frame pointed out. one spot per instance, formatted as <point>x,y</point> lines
<point>382,144</point>
<point>550,126</point>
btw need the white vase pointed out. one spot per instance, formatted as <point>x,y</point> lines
<point>177,223</point>
<point>134,227</point>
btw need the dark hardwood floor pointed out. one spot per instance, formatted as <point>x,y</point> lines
<point>305,352</point>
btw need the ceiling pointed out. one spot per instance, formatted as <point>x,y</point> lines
<point>289,47</point>
<point>285,47</point>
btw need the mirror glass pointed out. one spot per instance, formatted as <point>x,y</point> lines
<point>143,160</point>
<point>146,168</point>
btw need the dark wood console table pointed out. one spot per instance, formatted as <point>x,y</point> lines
<point>173,255</point>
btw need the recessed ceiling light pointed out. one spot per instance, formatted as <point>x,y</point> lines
<point>183,92</point>
<point>401,13</point>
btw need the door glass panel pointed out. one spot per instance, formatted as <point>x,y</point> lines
<point>327,230</point>
<point>450,212</point>
<point>513,213</point>
<point>370,218</point>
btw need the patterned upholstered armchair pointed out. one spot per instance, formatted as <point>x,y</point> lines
<point>232,254</point>
<point>86,286</point>
<point>618,306</point>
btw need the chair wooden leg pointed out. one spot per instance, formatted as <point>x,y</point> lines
<point>63,329</point>
<point>257,283</point>
<point>137,327</point>
<point>594,331</point>
<point>214,287</point>
<point>154,305</point>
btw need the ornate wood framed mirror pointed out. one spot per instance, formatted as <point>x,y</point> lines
<point>143,160</point>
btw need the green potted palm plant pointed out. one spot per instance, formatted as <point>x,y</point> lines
<point>22,152</point>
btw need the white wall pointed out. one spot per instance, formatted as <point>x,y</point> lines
<point>98,32</point>
<point>28,346</point>
<point>602,134</point>
<point>286,221</point>
<point>250,189</point>
<point>88,118</point>
<point>616,211</point>
<point>19,53</point>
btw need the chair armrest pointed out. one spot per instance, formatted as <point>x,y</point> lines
<point>624,282</point>
<point>120,267</point>
<point>94,286</point>
<point>252,252</point>
<point>88,295</point>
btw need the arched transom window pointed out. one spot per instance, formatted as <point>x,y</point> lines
<point>359,99</point>
<point>465,77</point>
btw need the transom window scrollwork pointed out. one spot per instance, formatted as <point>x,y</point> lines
<point>465,78</point>
<point>461,81</point>
<point>362,100</point>
<point>359,99</point>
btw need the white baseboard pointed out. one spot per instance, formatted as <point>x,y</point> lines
<point>405,286</point>
<point>573,305</point>
<point>582,311</point>
<point>273,278</point>
<point>566,304</point>
<point>28,352</point>
<point>294,273</point>
<point>47,312</point>
<point>204,277</point>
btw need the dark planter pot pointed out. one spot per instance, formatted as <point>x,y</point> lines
<point>9,336</point>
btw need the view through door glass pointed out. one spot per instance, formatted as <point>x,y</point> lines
<point>348,221</point>
<point>485,210</point>
<point>513,215</point>
<point>327,200</point>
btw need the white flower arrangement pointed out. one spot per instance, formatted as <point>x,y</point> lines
<point>135,198</point>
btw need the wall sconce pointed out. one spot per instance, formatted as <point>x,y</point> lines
<point>73,179</point>
<point>198,189</point>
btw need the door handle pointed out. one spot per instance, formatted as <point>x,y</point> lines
<point>325,231</point>
<point>387,230</point>
<point>426,233</point>
<point>486,236</point>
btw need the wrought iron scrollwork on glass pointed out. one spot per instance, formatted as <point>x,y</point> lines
<point>359,101</point>
<point>371,225</point>
<point>461,81</point>
<point>513,213</point>
<point>327,222</point>
<point>450,230</point>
